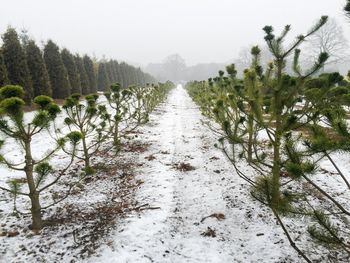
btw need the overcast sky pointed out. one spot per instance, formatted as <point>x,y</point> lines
<point>143,31</point>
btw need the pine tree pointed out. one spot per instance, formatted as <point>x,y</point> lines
<point>347,8</point>
<point>84,80</point>
<point>84,117</point>
<point>140,77</point>
<point>57,72</point>
<point>102,77</point>
<point>110,72</point>
<point>118,100</point>
<point>124,73</point>
<point>122,80</point>
<point>73,74</point>
<point>16,64</point>
<point>3,71</point>
<point>284,95</point>
<point>128,75</point>
<point>89,69</point>
<point>116,71</point>
<point>37,69</point>
<point>36,170</point>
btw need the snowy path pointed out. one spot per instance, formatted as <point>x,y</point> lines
<point>173,232</point>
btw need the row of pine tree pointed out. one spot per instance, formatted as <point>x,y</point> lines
<point>59,73</point>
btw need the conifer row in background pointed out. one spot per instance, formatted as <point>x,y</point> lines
<point>59,73</point>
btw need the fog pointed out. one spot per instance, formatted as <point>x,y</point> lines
<point>141,32</point>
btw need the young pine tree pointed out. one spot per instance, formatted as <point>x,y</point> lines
<point>283,93</point>
<point>118,100</point>
<point>84,117</point>
<point>13,126</point>
<point>140,95</point>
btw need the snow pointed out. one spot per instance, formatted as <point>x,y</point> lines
<point>173,233</point>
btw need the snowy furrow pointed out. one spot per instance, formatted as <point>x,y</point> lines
<point>174,232</point>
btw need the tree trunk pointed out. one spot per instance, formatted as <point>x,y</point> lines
<point>275,194</point>
<point>33,194</point>
<point>37,222</point>
<point>116,129</point>
<point>116,134</point>
<point>250,138</point>
<point>86,154</point>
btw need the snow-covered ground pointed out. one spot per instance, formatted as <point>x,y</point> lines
<point>170,196</point>
<point>244,230</point>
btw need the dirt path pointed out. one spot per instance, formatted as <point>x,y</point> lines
<point>174,233</point>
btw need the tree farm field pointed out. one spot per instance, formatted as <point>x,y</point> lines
<point>114,151</point>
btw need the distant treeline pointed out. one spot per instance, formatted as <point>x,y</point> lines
<point>57,72</point>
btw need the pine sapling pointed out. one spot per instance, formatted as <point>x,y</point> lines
<point>13,126</point>
<point>86,118</point>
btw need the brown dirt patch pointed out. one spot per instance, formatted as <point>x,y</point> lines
<point>184,167</point>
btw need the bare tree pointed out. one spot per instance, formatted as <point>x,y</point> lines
<point>330,39</point>
<point>175,66</point>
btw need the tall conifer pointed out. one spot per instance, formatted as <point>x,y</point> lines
<point>84,80</point>
<point>57,72</point>
<point>102,77</point>
<point>91,75</point>
<point>37,69</point>
<point>16,64</point>
<point>73,74</point>
<point>3,71</point>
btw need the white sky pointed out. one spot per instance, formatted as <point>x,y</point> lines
<point>143,31</point>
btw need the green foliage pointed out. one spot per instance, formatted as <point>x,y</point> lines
<point>43,169</point>
<point>58,74</point>
<point>14,187</point>
<point>89,69</point>
<point>37,68</point>
<point>16,63</point>
<point>53,109</point>
<point>74,137</point>
<point>347,8</point>
<point>13,126</point>
<point>102,77</point>
<point>72,71</point>
<point>297,170</point>
<point>263,191</point>
<point>282,125</point>
<point>324,231</point>
<point>83,75</point>
<point>47,104</point>
<point>43,101</point>
<point>89,170</point>
<point>13,106</point>
<point>85,117</point>
<point>10,91</point>
<point>4,80</point>
<point>41,119</point>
